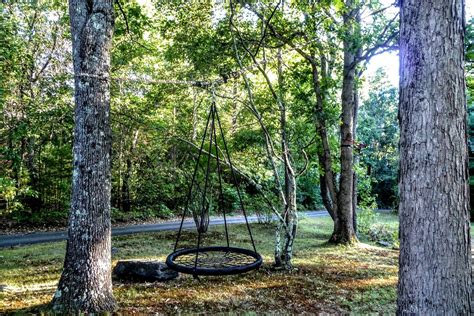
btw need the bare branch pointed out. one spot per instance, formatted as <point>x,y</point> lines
<point>49,58</point>
<point>265,28</point>
<point>282,38</point>
<point>306,163</point>
<point>380,10</point>
<point>373,51</point>
<point>123,15</point>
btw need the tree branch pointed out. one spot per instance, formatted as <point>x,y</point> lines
<point>373,51</point>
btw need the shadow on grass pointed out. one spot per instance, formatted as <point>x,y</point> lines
<point>312,288</point>
<point>328,283</point>
<point>313,235</point>
<point>39,309</point>
<point>329,279</point>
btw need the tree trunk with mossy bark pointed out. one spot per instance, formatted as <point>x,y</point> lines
<point>435,250</point>
<point>86,282</point>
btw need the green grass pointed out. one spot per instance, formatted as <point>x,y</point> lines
<point>328,279</point>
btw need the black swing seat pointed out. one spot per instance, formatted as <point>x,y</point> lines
<point>215,260</point>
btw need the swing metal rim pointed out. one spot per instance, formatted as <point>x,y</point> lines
<point>237,269</point>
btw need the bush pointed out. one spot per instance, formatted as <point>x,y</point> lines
<point>366,217</point>
<point>141,214</point>
<point>255,204</point>
<point>11,196</point>
<point>230,199</point>
<point>382,232</point>
<point>43,217</point>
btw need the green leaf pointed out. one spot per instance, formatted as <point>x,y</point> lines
<point>339,5</point>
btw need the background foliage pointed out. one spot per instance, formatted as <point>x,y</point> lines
<point>157,123</point>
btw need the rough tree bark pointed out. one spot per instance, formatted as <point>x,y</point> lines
<point>356,160</point>
<point>235,111</point>
<point>344,232</point>
<point>435,267</point>
<point>86,283</point>
<point>328,183</point>
<point>358,56</point>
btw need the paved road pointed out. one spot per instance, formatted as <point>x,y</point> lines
<point>34,238</point>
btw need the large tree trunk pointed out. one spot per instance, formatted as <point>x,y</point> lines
<point>86,283</point>
<point>356,159</point>
<point>435,267</point>
<point>343,232</point>
<point>328,184</point>
<point>358,55</point>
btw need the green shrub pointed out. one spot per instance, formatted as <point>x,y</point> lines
<point>383,233</point>
<point>366,217</point>
<point>42,217</point>
<point>230,198</point>
<point>11,195</point>
<point>164,211</point>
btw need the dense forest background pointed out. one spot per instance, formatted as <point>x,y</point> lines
<point>163,55</point>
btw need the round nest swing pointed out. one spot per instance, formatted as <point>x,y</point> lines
<point>212,260</point>
<point>215,260</point>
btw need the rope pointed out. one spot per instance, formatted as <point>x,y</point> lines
<point>192,184</point>
<point>221,193</point>
<point>211,130</point>
<point>214,83</point>
<point>205,184</point>
<point>234,178</point>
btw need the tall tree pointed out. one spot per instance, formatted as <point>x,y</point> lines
<point>34,103</point>
<point>435,266</point>
<point>86,283</point>
<point>286,184</point>
<point>318,46</point>
<point>344,231</point>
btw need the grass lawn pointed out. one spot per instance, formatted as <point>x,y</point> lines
<point>328,279</point>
